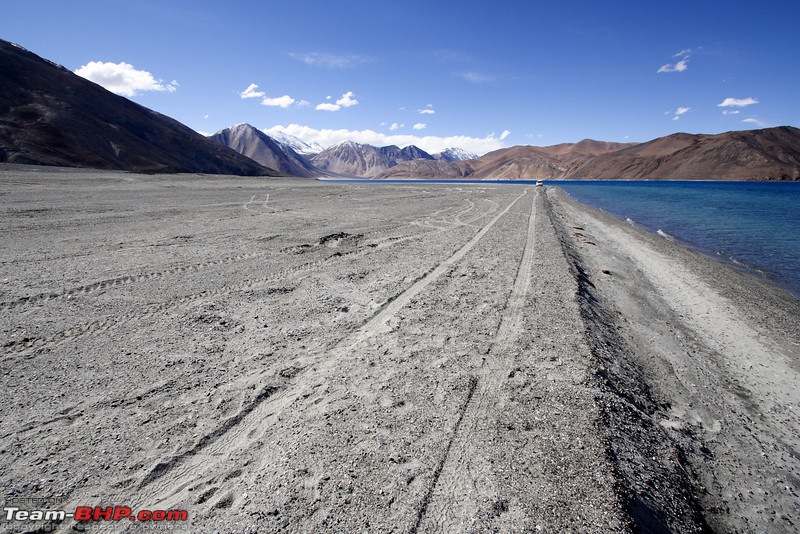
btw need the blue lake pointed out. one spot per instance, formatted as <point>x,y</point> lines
<point>753,225</point>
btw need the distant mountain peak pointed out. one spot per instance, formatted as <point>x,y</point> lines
<point>298,145</point>
<point>259,146</point>
<point>350,158</point>
<point>455,154</point>
<point>348,143</point>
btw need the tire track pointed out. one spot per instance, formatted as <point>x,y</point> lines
<point>378,321</point>
<point>106,323</point>
<point>166,482</point>
<point>181,269</point>
<point>454,496</point>
<point>128,279</point>
<point>177,270</point>
<point>208,441</point>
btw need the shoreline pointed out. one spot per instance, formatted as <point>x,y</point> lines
<point>774,278</point>
<point>272,354</point>
<point>717,350</point>
<point>755,271</point>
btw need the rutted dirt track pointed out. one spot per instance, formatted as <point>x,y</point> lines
<point>288,355</point>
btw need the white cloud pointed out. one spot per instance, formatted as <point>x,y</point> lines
<point>281,102</point>
<point>331,61</point>
<point>737,102</point>
<point>505,134</point>
<point>123,78</point>
<point>429,143</point>
<point>427,110</point>
<point>327,106</point>
<point>345,101</point>
<point>731,112</point>
<point>755,122</point>
<point>679,112</point>
<point>395,126</point>
<point>251,92</point>
<point>420,126</point>
<point>681,65</point>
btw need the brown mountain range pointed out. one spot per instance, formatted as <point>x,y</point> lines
<point>51,116</point>
<point>768,154</point>
<point>515,163</point>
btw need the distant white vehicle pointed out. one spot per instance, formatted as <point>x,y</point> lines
<point>539,183</point>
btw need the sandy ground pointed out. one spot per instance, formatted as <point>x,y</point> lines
<point>285,355</point>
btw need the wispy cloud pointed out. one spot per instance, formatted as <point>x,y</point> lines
<point>431,144</point>
<point>680,111</point>
<point>281,102</point>
<point>252,92</point>
<point>505,134</point>
<point>395,126</point>
<point>754,122</point>
<point>427,110</point>
<point>420,126</point>
<point>331,61</point>
<point>123,78</point>
<point>737,102</point>
<point>679,66</point>
<point>345,101</point>
<point>476,77</point>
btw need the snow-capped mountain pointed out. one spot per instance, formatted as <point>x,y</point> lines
<point>455,154</point>
<point>255,144</point>
<point>295,143</point>
<point>365,161</point>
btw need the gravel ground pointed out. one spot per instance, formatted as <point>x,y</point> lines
<point>286,355</point>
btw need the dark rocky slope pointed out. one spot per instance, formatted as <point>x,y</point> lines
<point>51,116</point>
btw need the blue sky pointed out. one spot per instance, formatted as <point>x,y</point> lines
<point>480,75</point>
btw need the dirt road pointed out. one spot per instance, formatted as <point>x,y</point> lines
<point>291,355</point>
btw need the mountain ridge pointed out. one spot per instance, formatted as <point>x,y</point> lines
<point>769,154</point>
<point>264,149</point>
<point>350,158</point>
<point>51,116</point>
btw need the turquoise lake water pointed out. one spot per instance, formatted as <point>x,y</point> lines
<point>752,225</point>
